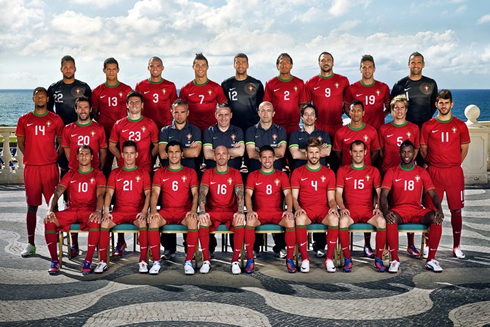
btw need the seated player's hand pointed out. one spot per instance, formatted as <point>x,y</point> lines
<point>288,215</point>
<point>344,212</point>
<point>299,212</point>
<point>50,217</point>
<point>439,217</point>
<point>107,217</point>
<point>203,218</point>
<point>252,215</point>
<point>153,216</point>
<point>377,212</point>
<point>191,215</point>
<point>142,216</point>
<point>239,218</point>
<point>193,144</point>
<point>95,216</point>
<point>390,217</point>
<point>333,211</point>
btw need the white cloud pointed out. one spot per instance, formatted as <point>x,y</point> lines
<point>96,3</point>
<point>484,19</point>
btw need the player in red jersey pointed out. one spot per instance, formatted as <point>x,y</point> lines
<point>37,130</point>
<point>354,196</point>
<point>444,144</point>
<point>109,104</point>
<point>287,94</point>
<point>326,91</point>
<point>132,186</point>
<point>356,130</point>
<point>313,189</point>
<point>178,186</point>
<point>137,128</point>
<point>268,186</point>
<point>158,94</point>
<point>391,135</point>
<point>405,184</point>
<point>221,201</point>
<point>375,95</point>
<point>86,189</point>
<point>202,95</point>
<point>84,131</point>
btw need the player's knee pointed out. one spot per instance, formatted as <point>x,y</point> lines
<point>381,222</point>
<point>192,224</point>
<point>32,209</point>
<point>301,220</point>
<point>343,222</point>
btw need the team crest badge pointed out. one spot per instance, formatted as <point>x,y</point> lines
<point>365,137</point>
<point>417,178</point>
<point>48,123</point>
<point>454,129</point>
<point>320,139</point>
<point>323,178</point>
<point>368,177</point>
<point>164,91</point>
<point>274,137</point>
<point>143,129</point>
<point>138,179</point>
<point>189,136</point>
<point>184,178</point>
<point>250,88</point>
<point>210,92</point>
<point>230,181</point>
<point>425,88</point>
<point>295,89</point>
<point>92,180</point>
<point>233,137</point>
<point>378,92</point>
<point>120,95</point>
<point>409,134</point>
<point>277,181</point>
<point>92,133</point>
<point>77,92</point>
<point>336,85</point>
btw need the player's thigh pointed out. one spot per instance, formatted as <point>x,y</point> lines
<point>50,178</point>
<point>455,189</point>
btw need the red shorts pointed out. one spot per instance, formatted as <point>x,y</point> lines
<point>316,216</point>
<point>173,215</point>
<point>220,217</point>
<point>123,217</point>
<point>330,129</point>
<point>449,180</point>
<point>361,215</point>
<point>39,181</point>
<point>270,217</point>
<point>411,214</point>
<point>72,216</point>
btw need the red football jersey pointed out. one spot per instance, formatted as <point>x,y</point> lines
<point>40,133</point>
<point>373,97</point>
<point>313,186</point>
<point>202,100</point>
<point>268,189</point>
<point>358,185</point>
<point>286,96</point>
<point>142,131</point>
<point>407,186</point>
<point>111,103</point>
<point>129,186</point>
<point>443,140</point>
<point>175,187</point>
<point>346,135</point>
<point>391,137</point>
<point>75,135</point>
<point>221,195</point>
<point>82,188</point>
<point>157,98</point>
<point>327,94</point>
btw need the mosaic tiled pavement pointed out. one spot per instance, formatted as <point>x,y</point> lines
<point>270,297</point>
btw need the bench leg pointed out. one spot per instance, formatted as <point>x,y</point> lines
<point>60,248</point>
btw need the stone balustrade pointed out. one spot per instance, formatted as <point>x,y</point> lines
<point>8,174</point>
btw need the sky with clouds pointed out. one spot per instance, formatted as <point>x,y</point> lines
<point>453,35</point>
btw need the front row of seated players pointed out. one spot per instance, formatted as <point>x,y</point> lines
<point>314,195</point>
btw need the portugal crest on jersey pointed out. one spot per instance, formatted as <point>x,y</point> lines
<point>210,92</point>
<point>378,92</point>
<point>409,134</point>
<point>365,137</point>
<point>164,91</point>
<point>425,88</point>
<point>417,178</point>
<point>143,129</point>
<point>277,181</point>
<point>320,139</point>
<point>323,178</point>
<point>336,85</point>
<point>184,178</point>
<point>92,180</point>
<point>138,178</point>
<point>454,129</point>
<point>233,137</point>
<point>120,95</point>
<point>48,123</point>
<point>295,89</point>
<point>250,88</point>
<point>230,181</point>
<point>368,177</point>
<point>92,133</point>
<point>189,136</point>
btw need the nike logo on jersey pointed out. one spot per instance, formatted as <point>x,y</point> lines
<point>398,179</point>
<point>408,88</point>
<point>347,178</point>
<point>275,90</point>
<point>170,137</point>
<point>257,184</point>
<point>232,88</point>
<point>358,95</point>
<point>257,136</point>
<point>73,181</point>
<point>390,135</point>
<point>125,130</point>
<point>316,88</point>
<point>303,179</point>
<point>120,179</point>
<point>165,179</point>
<point>345,140</point>
<point>146,92</point>
<point>191,94</point>
<point>73,135</point>
<point>212,183</point>
<point>435,131</point>
<point>30,124</point>
<point>103,96</point>
<point>300,138</point>
<point>215,137</point>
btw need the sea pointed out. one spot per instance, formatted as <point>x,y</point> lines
<point>14,103</point>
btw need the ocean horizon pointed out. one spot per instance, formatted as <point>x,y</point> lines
<point>16,102</point>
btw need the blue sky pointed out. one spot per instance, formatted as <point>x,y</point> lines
<point>453,35</point>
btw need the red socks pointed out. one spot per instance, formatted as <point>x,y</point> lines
<point>435,233</point>
<point>345,241</point>
<point>51,236</point>
<point>392,238</point>
<point>381,241</point>
<point>204,240</point>
<point>191,243</point>
<point>249,241</point>
<point>290,239</point>
<point>154,242</point>
<point>93,239</point>
<point>238,242</point>
<point>31,223</point>
<point>457,224</point>
<point>103,243</point>
<point>302,239</point>
<point>332,237</point>
<point>143,240</point>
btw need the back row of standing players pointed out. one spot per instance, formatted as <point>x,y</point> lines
<point>285,95</point>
